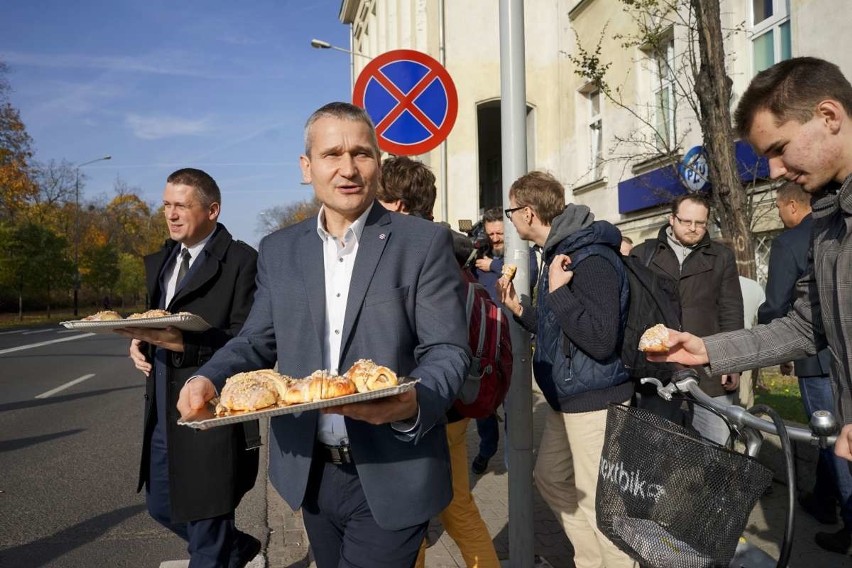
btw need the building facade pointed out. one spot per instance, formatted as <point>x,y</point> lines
<point>623,145</point>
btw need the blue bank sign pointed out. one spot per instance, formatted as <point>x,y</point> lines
<point>691,174</point>
<point>694,171</point>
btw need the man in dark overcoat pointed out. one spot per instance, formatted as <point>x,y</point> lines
<point>194,480</point>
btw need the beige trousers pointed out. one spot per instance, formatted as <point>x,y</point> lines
<point>566,474</point>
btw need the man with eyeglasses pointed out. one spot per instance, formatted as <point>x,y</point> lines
<point>710,297</point>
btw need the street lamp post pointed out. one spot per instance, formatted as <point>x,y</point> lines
<point>77,229</point>
<point>320,44</point>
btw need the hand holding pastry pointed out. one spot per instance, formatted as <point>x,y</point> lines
<point>193,399</point>
<point>684,348</point>
<point>508,296</point>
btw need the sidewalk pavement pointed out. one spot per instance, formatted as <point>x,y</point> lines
<point>286,544</point>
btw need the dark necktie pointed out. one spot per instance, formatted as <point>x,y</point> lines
<point>184,266</point>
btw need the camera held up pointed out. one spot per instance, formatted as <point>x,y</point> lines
<point>477,245</point>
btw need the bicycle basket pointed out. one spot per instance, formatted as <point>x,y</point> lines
<point>669,498</point>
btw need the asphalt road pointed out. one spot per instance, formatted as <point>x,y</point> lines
<point>69,458</point>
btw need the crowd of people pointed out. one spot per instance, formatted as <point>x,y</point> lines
<point>372,276</point>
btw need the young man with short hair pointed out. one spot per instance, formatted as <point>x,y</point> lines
<point>798,113</point>
<point>581,309</point>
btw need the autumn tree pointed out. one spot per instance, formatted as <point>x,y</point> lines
<point>695,81</point>
<point>130,223</point>
<point>16,187</point>
<point>282,216</point>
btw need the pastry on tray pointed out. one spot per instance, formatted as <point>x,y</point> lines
<point>369,376</point>
<point>263,389</point>
<point>106,315</point>
<point>156,313</point>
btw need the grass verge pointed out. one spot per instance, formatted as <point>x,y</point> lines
<point>781,392</point>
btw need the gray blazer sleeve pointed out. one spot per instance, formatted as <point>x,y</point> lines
<point>793,336</point>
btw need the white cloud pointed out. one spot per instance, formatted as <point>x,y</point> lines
<point>157,127</point>
<point>163,62</point>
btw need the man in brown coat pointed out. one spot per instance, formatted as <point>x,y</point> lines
<point>711,299</point>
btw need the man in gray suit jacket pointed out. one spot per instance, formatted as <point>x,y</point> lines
<point>788,260</point>
<point>798,113</point>
<point>356,282</point>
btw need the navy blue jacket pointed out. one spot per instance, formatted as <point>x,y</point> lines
<point>579,326</point>
<point>788,259</point>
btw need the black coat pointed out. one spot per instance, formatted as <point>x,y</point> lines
<point>209,471</point>
<point>711,299</point>
<point>788,260</point>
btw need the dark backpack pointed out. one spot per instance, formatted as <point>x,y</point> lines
<point>490,373</point>
<point>654,298</point>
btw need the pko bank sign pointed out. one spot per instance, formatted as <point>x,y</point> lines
<point>661,185</point>
<point>694,171</point>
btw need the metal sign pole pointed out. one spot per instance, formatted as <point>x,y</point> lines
<point>513,108</point>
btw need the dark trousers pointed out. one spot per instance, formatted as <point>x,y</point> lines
<point>341,527</point>
<point>489,435</point>
<point>212,543</point>
<point>833,481</point>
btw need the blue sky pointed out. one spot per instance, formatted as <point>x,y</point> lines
<point>219,85</point>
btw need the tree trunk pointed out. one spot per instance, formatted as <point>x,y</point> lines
<point>713,87</point>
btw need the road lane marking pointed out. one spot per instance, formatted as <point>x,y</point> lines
<point>13,331</point>
<point>37,331</point>
<point>43,343</point>
<point>65,386</point>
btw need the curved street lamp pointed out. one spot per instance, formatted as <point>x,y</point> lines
<point>320,44</point>
<point>77,227</point>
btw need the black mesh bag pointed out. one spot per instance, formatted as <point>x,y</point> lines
<point>669,498</point>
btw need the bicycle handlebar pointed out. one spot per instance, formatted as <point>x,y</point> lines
<point>823,427</point>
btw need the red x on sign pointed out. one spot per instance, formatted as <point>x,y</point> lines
<point>411,99</point>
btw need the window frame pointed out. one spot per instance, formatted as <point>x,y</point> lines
<point>662,71</point>
<point>595,131</point>
<point>772,24</point>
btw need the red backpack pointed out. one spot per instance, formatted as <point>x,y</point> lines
<point>491,366</point>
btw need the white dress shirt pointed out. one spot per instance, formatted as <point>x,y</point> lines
<point>338,261</point>
<point>194,251</point>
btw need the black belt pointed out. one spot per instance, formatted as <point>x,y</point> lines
<point>337,455</point>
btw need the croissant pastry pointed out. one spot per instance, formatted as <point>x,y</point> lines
<point>105,315</point>
<point>319,386</point>
<point>155,313</point>
<point>369,376</point>
<point>246,392</point>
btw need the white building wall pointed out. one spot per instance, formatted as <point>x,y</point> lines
<point>560,142</point>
